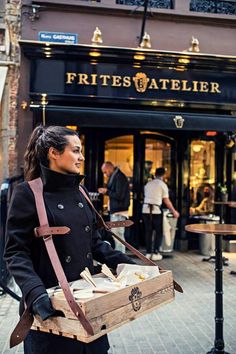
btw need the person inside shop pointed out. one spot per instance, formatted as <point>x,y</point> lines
<point>206,206</point>
<point>118,192</point>
<point>147,173</point>
<point>155,193</point>
<point>54,153</point>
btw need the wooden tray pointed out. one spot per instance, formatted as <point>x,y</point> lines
<point>106,312</point>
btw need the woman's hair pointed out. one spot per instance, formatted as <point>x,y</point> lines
<point>41,139</point>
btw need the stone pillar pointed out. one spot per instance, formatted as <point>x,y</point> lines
<point>9,108</point>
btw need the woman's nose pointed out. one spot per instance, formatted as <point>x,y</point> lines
<point>81,157</point>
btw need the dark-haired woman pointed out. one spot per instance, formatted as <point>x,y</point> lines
<point>54,154</point>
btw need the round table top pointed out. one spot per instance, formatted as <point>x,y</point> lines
<point>215,229</point>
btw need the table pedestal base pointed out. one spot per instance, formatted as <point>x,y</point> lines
<point>213,258</point>
<point>217,351</point>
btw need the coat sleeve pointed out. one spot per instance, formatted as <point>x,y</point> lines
<point>104,253</point>
<point>22,219</point>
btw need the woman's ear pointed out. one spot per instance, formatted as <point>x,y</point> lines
<point>52,154</point>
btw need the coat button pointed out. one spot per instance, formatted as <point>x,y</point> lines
<point>89,255</point>
<point>68,259</point>
<point>81,205</point>
<point>60,206</point>
<point>87,228</point>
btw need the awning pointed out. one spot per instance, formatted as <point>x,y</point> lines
<point>137,119</point>
<point>3,75</point>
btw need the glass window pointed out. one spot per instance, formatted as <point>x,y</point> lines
<point>119,151</point>
<point>164,4</point>
<point>219,7</point>
<point>202,169</point>
<point>157,154</point>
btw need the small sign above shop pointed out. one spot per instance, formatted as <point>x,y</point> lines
<point>58,37</point>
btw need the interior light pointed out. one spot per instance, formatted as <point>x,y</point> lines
<point>211,133</point>
<point>94,54</point>
<point>72,127</point>
<point>180,68</point>
<point>139,56</point>
<point>184,60</point>
<point>197,148</point>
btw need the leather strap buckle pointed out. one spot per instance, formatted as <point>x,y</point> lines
<point>42,231</point>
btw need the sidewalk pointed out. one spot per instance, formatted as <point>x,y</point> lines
<point>185,326</point>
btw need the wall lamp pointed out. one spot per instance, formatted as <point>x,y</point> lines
<point>34,13</point>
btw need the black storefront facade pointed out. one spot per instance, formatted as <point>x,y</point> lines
<point>132,106</point>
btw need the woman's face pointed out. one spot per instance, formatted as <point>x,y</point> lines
<point>70,160</point>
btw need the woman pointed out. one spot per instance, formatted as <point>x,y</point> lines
<point>55,154</point>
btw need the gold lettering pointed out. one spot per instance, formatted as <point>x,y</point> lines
<point>184,86</point>
<point>153,84</point>
<point>104,79</point>
<point>215,87</point>
<point>195,88</point>
<point>204,86</point>
<point>164,82</point>
<point>126,81</point>
<point>94,79</point>
<point>83,79</point>
<point>175,85</point>
<point>70,77</point>
<point>116,81</point>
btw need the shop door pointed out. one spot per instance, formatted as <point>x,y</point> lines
<point>138,155</point>
<point>120,151</point>
<point>152,151</point>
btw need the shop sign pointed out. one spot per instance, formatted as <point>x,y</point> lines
<point>117,81</point>
<point>58,37</point>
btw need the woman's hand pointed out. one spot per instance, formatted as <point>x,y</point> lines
<point>42,306</point>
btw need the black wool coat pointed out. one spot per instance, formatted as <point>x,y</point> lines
<point>118,191</point>
<point>27,258</point>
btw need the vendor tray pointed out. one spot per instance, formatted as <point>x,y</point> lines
<point>106,312</point>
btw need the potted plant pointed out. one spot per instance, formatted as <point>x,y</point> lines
<point>223,192</point>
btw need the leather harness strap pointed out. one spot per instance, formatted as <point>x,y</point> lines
<point>107,226</point>
<point>37,187</point>
<point>53,230</point>
<point>44,230</point>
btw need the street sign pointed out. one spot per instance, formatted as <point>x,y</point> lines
<point>58,37</point>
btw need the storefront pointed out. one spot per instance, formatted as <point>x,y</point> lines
<point>131,106</point>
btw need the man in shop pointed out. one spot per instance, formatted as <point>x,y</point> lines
<point>117,190</point>
<point>206,206</point>
<point>155,193</point>
<point>147,173</point>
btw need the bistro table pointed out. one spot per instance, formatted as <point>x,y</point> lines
<point>231,204</point>
<point>217,231</point>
